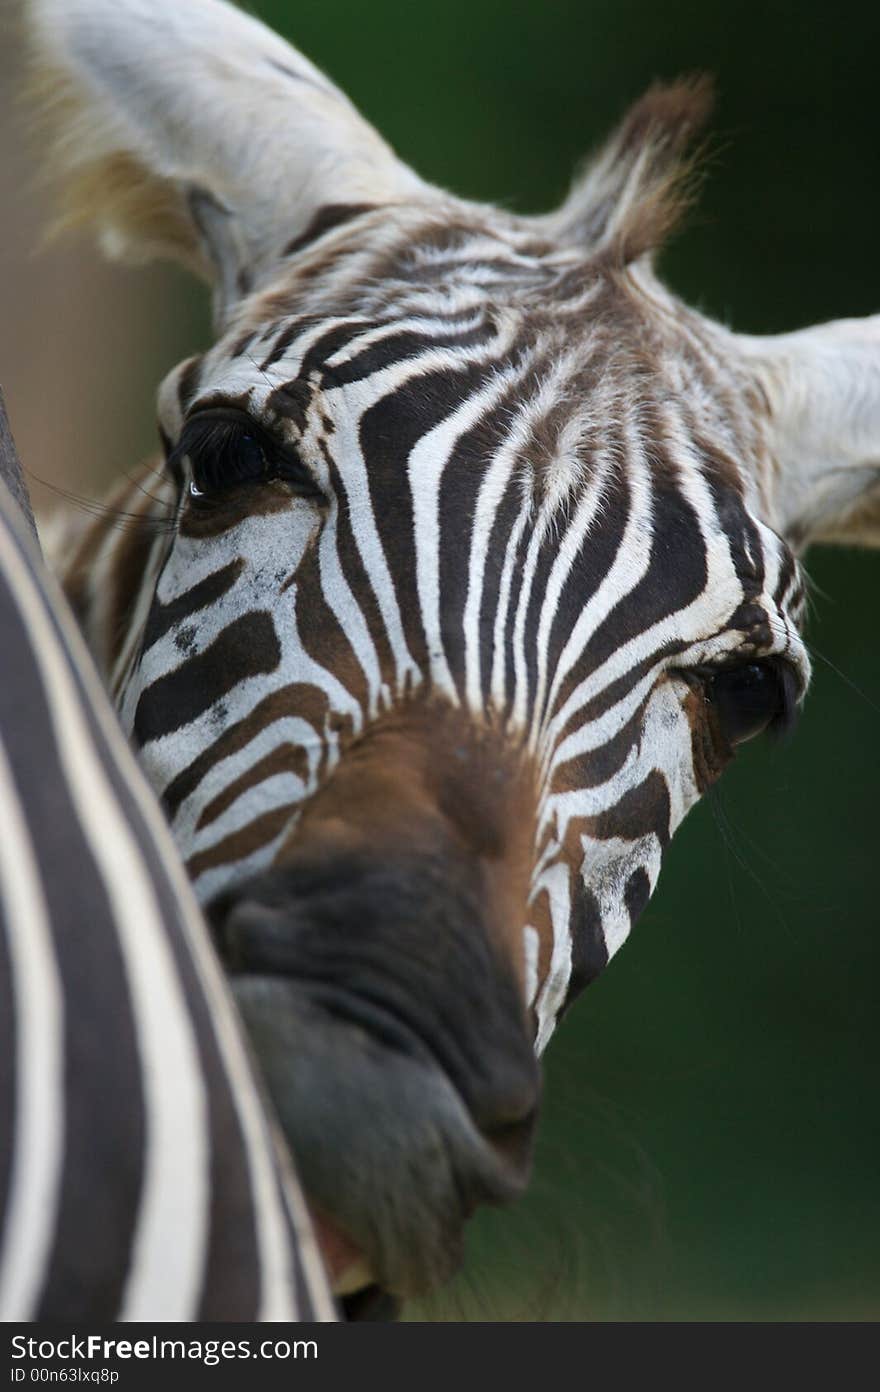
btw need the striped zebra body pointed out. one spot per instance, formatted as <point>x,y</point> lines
<point>139,1175</point>
<point>471,561</point>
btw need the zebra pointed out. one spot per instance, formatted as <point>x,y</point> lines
<point>139,1173</point>
<point>471,560</point>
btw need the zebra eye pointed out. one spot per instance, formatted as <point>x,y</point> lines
<point>226,449</point>
<point>748,700</point>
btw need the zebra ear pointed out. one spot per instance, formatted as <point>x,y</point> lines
<point>823,389</point>
<point>185,128</point>
<point>629,198</point>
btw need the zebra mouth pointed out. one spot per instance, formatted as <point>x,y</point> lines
<point>359,1296</point>
<point>395,1050</point>
<point>346,1267</point>
<point>391,1162</point>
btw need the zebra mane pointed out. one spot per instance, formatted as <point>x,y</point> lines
<point>634,193</point>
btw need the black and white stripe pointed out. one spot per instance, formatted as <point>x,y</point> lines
<point>140,1173</point>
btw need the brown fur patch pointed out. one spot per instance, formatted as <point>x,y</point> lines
<point>426,776</point>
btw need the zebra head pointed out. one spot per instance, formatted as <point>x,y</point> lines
<point>480,566</point>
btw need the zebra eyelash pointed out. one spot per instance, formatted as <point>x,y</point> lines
<point>223,448</point>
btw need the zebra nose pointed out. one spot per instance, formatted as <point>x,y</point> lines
<point>405,956</point>
<point>394,1044</point>
<point>487,1058</point>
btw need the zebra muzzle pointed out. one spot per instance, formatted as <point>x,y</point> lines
<point>394,1045</point>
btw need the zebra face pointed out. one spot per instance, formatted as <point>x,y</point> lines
<point>479,538</point>
<point>462,611</point>
<point>477,573</point>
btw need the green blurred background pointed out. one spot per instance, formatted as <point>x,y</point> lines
<point>710,1147</point>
